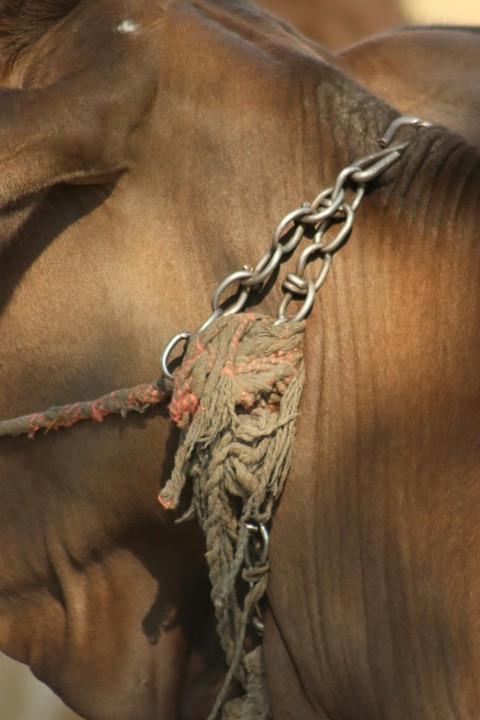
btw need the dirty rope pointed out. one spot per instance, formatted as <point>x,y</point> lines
<point>236,398</point>
<point>121,402</point>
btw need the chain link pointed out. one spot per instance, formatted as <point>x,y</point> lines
<point>330,209</point>
<point>256,557</point>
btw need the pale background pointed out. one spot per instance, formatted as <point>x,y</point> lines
<point>23,698</point>
<point>444,11</point>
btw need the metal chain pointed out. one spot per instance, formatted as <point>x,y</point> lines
<point>256,556</point>
<point>330,208</point>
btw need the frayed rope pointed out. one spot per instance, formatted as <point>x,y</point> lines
<point>121,402</point>
<point>236,397</point>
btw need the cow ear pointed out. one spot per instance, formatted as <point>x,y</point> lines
<point>85,89</point>
<point>430,73</point>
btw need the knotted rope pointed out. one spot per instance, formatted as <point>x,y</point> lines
<point>236,398</point>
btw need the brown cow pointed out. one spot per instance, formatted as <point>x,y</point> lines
<point>131,184</point>
<point>338,23</point>
<point>431,71</point>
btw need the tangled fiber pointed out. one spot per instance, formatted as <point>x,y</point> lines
<point>236,398</point>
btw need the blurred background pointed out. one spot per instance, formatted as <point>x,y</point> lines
<point>443,11</point>
<point>21,696</point>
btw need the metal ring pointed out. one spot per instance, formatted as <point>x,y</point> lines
<point>367,160</point>
<point>359,194</point>
<point>323,274</point>
<point>326,258</point>
<point>284,222</point>
<point>261,531</point>
<point>258,624</point>
<point>304,309</point>
<point>295,284</point>
<point>229,280</point>
<point>239,304</point>
<point>330,206</point>
<point>370,173</point>
<point>291,244</point>
<point>265,266</point>
<point>343,177</point>
<point>343,234</point>
<point>164,357</point>
<point>305,256</point>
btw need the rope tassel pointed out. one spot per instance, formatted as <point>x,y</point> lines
<point>236,397</point>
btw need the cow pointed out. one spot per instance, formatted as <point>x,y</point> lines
<point>149,148</point>
<point>338,23</point>
<point>431,68</point>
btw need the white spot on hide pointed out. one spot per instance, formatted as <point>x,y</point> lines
<point>127,26</point>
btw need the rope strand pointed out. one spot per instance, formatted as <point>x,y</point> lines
<point>236,398</point>
<point>119,402</point>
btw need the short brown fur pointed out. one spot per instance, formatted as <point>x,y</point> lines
<point>23,22</point>
<point>161,160</point>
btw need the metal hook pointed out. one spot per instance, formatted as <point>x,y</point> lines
<point>164,357</point>
<point>391,131</point>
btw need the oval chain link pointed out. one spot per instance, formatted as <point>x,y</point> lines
<point>330,208</point>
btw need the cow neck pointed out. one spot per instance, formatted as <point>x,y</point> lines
<point>389,415</point>
<point>438,183</point>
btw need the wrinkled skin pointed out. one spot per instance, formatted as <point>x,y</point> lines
<point>131,185</point>
<point>431,72</point>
